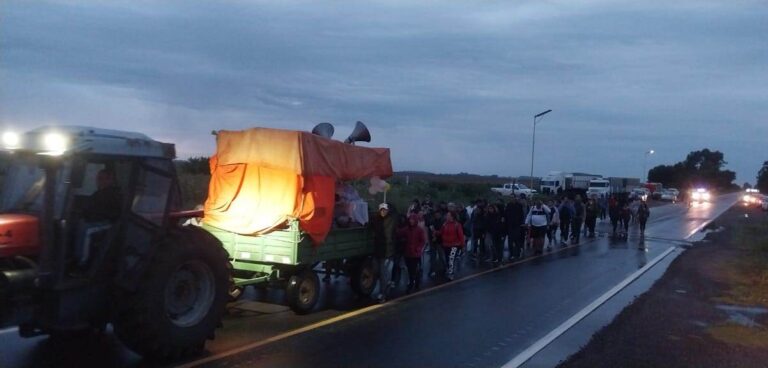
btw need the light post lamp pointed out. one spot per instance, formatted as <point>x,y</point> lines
<point>645,164</point>
<point>533,144</point>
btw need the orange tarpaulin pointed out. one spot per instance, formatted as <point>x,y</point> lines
<point>261,177</point>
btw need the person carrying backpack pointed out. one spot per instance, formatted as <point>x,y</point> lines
<point>554,224</point>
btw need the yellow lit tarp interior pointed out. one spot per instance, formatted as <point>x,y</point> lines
<point>261,177</point>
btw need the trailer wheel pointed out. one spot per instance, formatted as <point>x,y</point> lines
<point>364,277</point>
<point>179,302</point>
<point>303,291</point>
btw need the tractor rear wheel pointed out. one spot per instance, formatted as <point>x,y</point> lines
<point>180,300</point>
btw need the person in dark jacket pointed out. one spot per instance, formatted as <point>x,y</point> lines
<point>643,212</point>
<point>626,217</point>
<point>514,219</point>
<point>614,213</point>
<point>105,204</point>
<point>579,212</point>
<point>452,237</point>
<point>436,255</point>
<point>479,230</point>
<point>385,244</point>
<point>566,215</point>
<point>592,212</point>
<point>496,232</point>
<point>414,240</point>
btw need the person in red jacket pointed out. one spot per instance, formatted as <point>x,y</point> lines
<point>452,236</point>
<point>414,240</point>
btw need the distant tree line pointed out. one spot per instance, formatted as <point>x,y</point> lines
<point>702,167</point>
<point>194,165</point>
<point>762,178</point>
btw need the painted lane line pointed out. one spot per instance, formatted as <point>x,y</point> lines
<point>565,326</point>
<point>359,312</point>
<point>712,218</point>
<point>8,330</point>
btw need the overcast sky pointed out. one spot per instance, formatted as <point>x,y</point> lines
<point>450,86</point>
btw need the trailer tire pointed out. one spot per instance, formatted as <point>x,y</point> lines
<point>180,300</point>
<point>303,291</point>
<point>364,277</point>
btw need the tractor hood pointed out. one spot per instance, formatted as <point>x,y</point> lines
<point>18,235</point>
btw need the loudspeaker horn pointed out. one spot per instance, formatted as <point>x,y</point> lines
<point>359,134</point>
<point>324,130</point>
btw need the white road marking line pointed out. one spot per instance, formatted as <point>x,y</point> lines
<point>705,223</point>
<point>532,350</point>
<point>565,326</point>
<point>9,330</point>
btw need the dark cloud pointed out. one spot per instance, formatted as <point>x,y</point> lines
<point>450,86</point>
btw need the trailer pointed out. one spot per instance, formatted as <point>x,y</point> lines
<point>612,186</point>
<point>271,205</point>
<point>569,184</point>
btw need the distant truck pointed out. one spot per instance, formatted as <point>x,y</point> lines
<point>612,185</point>
<point>558,182</point>
<point>515,189</point>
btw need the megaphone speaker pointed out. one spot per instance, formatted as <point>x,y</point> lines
<point>359,134</point>
<point>324,130</point>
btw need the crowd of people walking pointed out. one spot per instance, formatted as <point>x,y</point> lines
<point>443,234</point>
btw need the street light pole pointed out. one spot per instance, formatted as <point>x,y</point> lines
<point>645,164</point>
<point>533,143</point>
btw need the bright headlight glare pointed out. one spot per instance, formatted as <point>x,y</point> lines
<point>696,195</point>
<point>11,140</point>
<point>745,198</point>
<point>706,196</point>
<point>55,143</point>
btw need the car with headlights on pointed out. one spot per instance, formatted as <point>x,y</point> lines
<point>752,197</point>
<point>700,195</point>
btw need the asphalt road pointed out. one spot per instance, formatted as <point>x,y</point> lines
<point>482,321</point>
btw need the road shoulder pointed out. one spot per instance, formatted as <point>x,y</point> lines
<point>708,310</point>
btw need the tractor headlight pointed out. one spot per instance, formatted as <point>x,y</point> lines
<point>745,198</point>
<point>705,196</point>
<point>54,144</point>
<point>11,140</point>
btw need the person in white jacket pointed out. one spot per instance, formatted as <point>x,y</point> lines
<point>538,222</point>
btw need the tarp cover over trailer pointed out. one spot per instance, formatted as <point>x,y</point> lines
<point>262,177</point>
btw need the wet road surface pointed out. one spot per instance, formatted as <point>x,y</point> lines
<point>484,321</point>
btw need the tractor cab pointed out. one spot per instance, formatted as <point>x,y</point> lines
<point>79,208</point>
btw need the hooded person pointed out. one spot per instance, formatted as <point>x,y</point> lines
<point>414,239</point>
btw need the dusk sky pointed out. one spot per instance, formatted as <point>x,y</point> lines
<point>449,86</point>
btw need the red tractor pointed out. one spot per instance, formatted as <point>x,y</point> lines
<point>90,235</point>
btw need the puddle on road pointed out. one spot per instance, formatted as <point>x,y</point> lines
<point>744,316</point>
<point>700,235</point>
